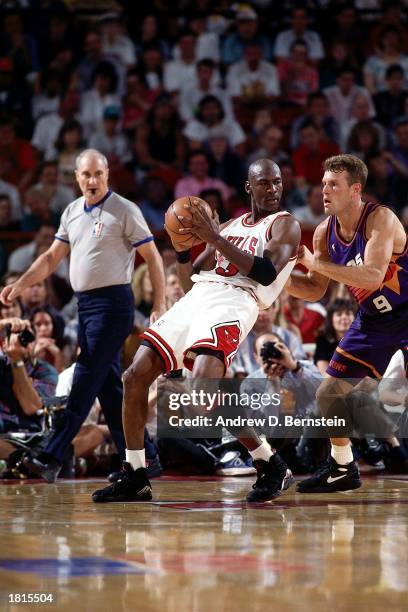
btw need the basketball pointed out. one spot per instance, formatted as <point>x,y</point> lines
<point>172,223</point>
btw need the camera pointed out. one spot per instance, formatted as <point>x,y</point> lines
<point>269,351</point>
<point>24,337</point>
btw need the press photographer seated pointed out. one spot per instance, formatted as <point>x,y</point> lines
<point>24,381</point>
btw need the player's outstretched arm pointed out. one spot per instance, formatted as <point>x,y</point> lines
<point>40,269</point>
<point>380,229</point>
<point>311,286</point>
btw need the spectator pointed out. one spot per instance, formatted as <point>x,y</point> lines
<point>225,164</point>
<point>67,147</point>
<point>192,93</point>
<point>150,36</point>
<point>92,56</point>
<point>318,112</point>
<point>298,79</point>
<point>211,121</point>
<point>198,178</point>
<point>364,139</point>
<point>392,15</point>
<point>174,290</point>
<point>137,101</point>
<point>48,337</point>
<point>311,153</point>
<point>360,112</point>
<point>213,197</point>
<point>313,214</point>
<point>342,95</point>
<point>270,140</point>
<point>38,211</point>
<point>246,24</point>
<point>25,383</point>
<point>109,139</point>
<point>115,43</point>
<point>56,194</point>
<point>17,156</point>
<point>11,192</point>
<point>46,132</point>
<point>97,99</point>
<point>390,102</point>
<point>340,315</point>
<point>143,293</point>
<point>397,157</point>
<point>293,197</point>
<point>388,53</point>
<point>151,67</point>
<point>338,56</point>
<point>48,98</point>
<point>182,70</point>
<point>154,203</point>
<point>23,257</point>
<point>285,39</point>
<point>207,43</point>
<point>14,93</point>
<point>347,28</point>
<point>253,81</point>
<point>6,222</point>
<point>37,296</point>
<point>159,142</point>
<point>382,182</point>
<point>308,321</point>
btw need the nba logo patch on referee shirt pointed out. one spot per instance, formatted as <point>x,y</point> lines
<point>97,229</point>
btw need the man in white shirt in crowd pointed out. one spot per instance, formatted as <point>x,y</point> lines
<point>299,30</point>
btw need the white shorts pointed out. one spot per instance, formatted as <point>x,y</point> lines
<point>212,315</point>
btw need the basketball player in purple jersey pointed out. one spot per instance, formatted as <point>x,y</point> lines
<point>363,245</point>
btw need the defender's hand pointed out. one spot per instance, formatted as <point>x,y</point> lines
<point>305,257</point>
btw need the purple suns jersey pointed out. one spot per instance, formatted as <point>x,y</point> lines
<point>393,291</point>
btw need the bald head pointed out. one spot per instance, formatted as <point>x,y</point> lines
<point>262,165</point>
<point>92,174</point>
<point>90,154</point>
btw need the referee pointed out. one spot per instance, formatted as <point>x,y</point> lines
<point>101,231</point>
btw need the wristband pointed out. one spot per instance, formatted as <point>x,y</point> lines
<point>17,364</point>
<point>183,256</point>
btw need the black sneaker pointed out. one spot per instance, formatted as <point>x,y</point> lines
<point>133,485</point>
<point>332,477</point>
<point>44,466</point>
<point>274,477</point>
<point>395,460</point>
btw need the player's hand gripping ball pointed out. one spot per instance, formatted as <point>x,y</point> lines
<point>173,223</point>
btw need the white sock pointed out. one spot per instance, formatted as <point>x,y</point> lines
<point>342,454</point>
<point>136,458</point>
<point>263,451</point>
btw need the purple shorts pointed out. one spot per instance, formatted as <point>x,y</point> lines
<point>368,345</point>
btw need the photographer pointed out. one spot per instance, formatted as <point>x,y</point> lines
<point>297,379</point>
<point>296,382</point>
<point>24,382</point>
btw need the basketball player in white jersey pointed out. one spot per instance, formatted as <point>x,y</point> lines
<point>243,269</point>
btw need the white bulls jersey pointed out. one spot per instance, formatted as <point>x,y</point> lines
<point>251,238</point>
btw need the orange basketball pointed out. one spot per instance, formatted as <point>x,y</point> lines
<point>172,223</point>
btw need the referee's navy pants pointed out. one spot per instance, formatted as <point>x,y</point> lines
<point>105,319</point>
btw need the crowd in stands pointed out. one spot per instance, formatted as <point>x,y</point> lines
<point>181,100</point>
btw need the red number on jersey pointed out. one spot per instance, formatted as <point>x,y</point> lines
<point>230,270</point>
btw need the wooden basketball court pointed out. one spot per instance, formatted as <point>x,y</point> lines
<point>198,548</point>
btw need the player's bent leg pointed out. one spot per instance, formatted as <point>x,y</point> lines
<point>133,483</point>
<point>273,475</point>
<point>339,472</point>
